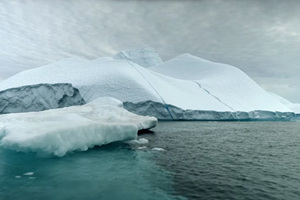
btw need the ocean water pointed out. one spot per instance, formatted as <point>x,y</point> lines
<point>201,160</point>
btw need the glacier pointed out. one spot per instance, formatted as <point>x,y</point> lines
<point>183,88</point>
<point>39,97</point>
<point>75,128</point>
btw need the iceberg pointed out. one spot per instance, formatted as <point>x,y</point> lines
<point>39,97</point>
<point>75,128</point>
<point>183,88</point>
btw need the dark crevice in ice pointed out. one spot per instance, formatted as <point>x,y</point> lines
<point>213,95</point>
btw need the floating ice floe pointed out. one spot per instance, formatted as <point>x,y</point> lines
<point>183,88</point>
<point>139,141</point>
<point>28,174</point>
<point>59,131</point>
<point>157,149</point>
<point>142,148</point>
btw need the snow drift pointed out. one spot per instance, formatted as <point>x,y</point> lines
<point>184,88</point>
<point>59,131</point>
<point>39,97</point>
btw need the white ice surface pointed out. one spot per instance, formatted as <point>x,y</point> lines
<point>157,149</point>
<point>227,84</point>
<point>28,174</point>
<point>187,82</point>
<point>139,141</point>
<point>142,148</point>
<point>94,79</point>
<point>59,131</point>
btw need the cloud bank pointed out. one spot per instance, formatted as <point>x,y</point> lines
<point>260,37</point>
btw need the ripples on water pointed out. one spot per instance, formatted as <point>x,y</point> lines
<point>231,160</point>
<point>202,160</point>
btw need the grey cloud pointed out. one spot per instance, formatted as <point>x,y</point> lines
<point>260,37</point>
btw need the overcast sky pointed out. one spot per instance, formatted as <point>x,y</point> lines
<point>261,37</point>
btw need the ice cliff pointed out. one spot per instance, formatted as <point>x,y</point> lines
<point>39,97</point>
<point>74,128</point>
<point>170,112</point>
<point>183,88</point>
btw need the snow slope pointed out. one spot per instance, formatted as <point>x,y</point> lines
<point>59,131</point>
<point>184,84</point>
<point>228,84</point>
<point>39,97</point>
<point>97,78</point>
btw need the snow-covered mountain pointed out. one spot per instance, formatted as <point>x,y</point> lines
<point>184,88</point>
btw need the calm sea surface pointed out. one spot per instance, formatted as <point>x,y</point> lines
<point>202,160</point>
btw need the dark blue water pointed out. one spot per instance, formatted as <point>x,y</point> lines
<point>202,160</point>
